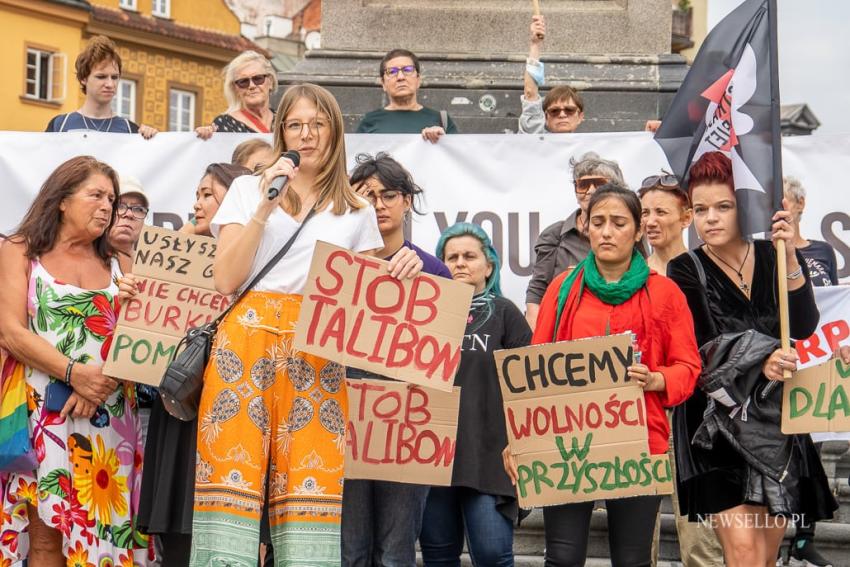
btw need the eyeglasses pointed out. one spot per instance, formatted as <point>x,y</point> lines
<point>584,184</point>
<point>568,111</point>
<point>407,71</point>
<point>246,82</point>
<point>138,211</point>
<point>665,180</point>
<point>297,127</point>
<point>388,198</point>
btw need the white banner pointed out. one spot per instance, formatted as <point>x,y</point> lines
<point>513,185</point>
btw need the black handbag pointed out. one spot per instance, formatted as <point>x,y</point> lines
<point>183,380</point>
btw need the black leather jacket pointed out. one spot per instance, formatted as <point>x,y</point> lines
<point>744,406</point>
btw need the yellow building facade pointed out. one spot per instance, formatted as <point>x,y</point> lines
<point>172,52</point>
<point>40,40</point>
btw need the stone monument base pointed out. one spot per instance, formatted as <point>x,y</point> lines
<point>482,94</point>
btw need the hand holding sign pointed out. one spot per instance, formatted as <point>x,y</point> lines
<point>354,312</point>
<point>170,291</point>
<point>576,421</point>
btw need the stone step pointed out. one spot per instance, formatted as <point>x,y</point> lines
<point>832,538</point>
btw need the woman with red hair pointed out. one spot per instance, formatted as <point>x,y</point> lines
<point>736,469</point>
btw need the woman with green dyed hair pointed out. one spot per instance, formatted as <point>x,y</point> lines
<point>480,505</point>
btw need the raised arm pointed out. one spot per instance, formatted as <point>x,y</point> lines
<point>532,120</point>
<point>538,31</point>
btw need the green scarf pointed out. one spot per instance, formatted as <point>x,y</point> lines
<point>614,293</point>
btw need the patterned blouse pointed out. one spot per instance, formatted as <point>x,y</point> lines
<point>227,123</point>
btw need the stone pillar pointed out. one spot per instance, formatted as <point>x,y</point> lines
<point>616,52</point>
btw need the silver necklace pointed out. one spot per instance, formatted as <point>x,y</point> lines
<point>741,281</point>
<point>90,125</point>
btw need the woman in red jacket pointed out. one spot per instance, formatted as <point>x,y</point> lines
<point>613,291</point>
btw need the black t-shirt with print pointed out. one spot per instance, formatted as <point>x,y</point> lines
<point>821,263</point>
<point>481,434</point>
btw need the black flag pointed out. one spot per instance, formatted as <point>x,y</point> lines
<point>729,102</point>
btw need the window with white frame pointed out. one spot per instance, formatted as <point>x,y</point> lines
<point>161,8</point>
<point>45,74</point>
<point>124,102</point>
<point>127,4</point>
<point>181,111</point>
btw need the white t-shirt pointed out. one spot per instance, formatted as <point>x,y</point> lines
<point>356,230</point>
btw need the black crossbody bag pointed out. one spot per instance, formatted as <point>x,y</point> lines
<point>183,380</point>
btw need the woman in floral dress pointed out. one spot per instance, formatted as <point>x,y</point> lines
<point>57,315</point>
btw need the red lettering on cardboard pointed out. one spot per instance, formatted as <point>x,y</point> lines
<point>334,289</point>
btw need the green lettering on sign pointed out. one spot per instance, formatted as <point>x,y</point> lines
<point>801,401</point>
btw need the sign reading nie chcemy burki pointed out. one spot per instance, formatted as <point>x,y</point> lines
<point>576,424</point>
<point>176,293</point>
<point>355,313</point>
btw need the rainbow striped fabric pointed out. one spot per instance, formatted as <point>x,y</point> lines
<point>16,452</point>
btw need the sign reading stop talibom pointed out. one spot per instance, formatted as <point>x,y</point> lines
<point>576,424</point>
<point>175,293</point>
<point>399,432</point>
<point>354,313</point>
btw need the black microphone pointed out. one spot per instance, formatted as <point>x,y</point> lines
<point>278,182</point>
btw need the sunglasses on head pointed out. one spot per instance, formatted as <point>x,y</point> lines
<point>583,185</point>
<point>568,111</point>
<point>664,180</point>
<point>246,82</point>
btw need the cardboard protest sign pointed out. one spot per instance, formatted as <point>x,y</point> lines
<point>176,293</point>
<point>577,424</point>
<point>817,399</point>
<point>833,331</point>
<point>399,432</point>
<point>356,314</point>
<point>833,328</point>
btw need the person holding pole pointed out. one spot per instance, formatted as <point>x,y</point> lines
<point>666,215</point>
<point>745,492</point>
<point>562,110</point>
<point>614,291</point>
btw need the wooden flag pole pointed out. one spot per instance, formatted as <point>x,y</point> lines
<point>784,321</point>
<point>776,140</point>
<point>535,4</point>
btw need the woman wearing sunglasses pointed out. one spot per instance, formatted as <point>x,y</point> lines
<point>249,81</point>
<point>564,244</point>
<point>666,213</point>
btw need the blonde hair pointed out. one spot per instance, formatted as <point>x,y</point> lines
<point>332,179</point>
<point>229,73</point>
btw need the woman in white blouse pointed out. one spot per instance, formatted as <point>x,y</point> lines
<point>272,419</point>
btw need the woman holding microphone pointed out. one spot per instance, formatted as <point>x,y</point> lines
<point>272,419</point>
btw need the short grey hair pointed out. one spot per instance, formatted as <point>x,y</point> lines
<point>233,67</point>
<point>590,164</point>
<point>792,187</point>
